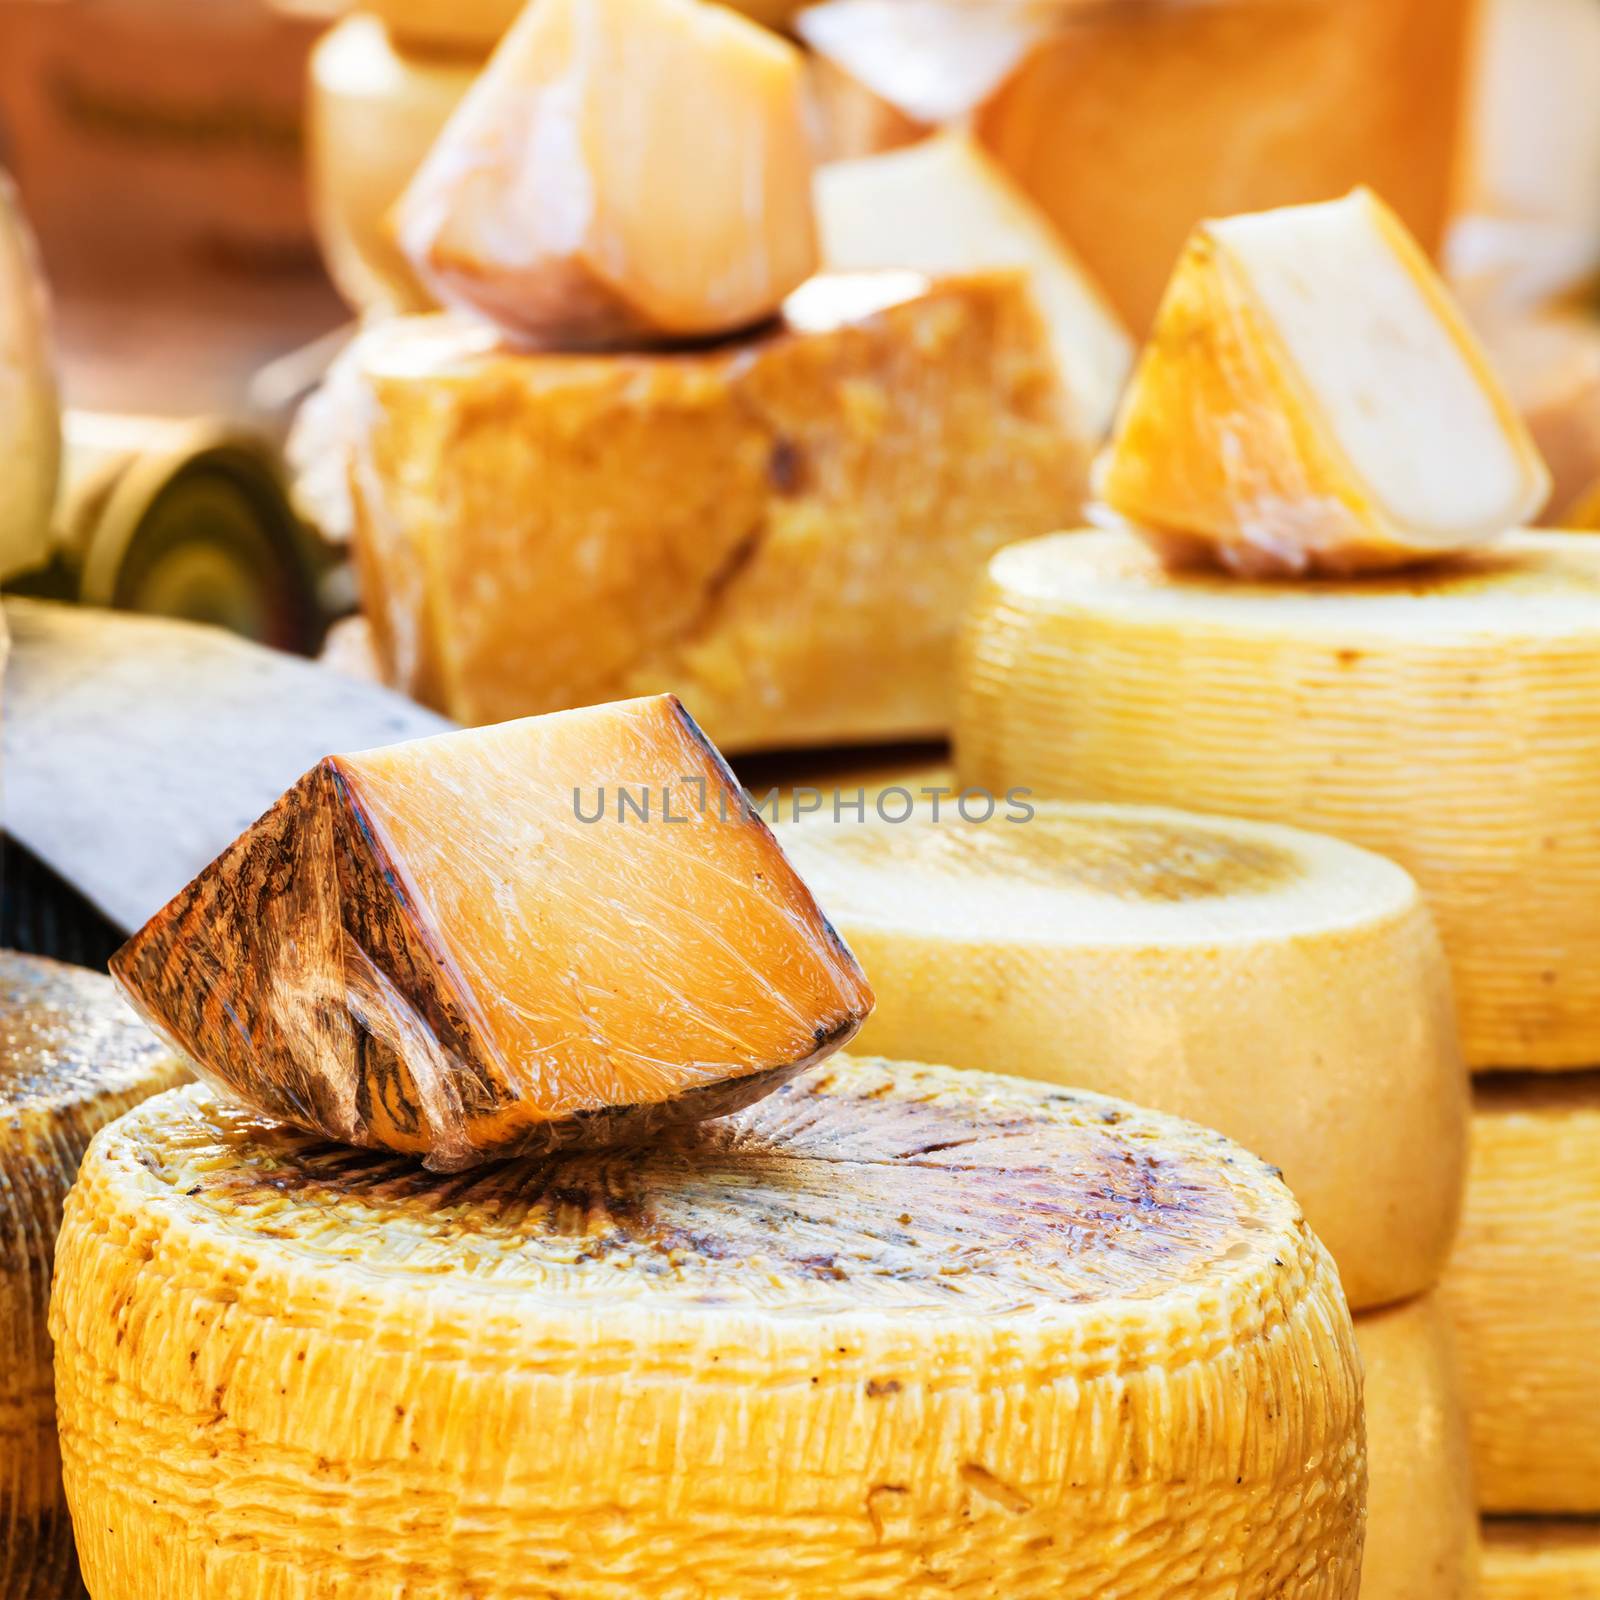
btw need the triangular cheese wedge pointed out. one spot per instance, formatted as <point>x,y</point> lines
<point>1311,399</point>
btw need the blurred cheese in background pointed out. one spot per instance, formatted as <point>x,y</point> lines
<point>1529,1559</point>
<point>474,27</point>
<point>848,119</point>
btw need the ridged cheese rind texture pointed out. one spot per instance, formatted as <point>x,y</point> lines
<point>1446,718</point>
<point>1284,988</point>
<point>1524,1291</point>
<point>896,1329</point>
<point>1422,1520</point>
<point>72,1058</point>
<point>782,531</point>
<point>1553,1559</point>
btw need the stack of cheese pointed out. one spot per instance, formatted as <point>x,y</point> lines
<point>1310,403</point>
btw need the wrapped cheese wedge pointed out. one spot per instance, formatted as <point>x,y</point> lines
<point>1311,400</point>
<point>1524,1289</point>
<point>945,206</point>
<point>1448,718</point>
<point>72,1058</point>
<point>784,530</point>
<point>570,199</point>
<point>890,1320</point>
<point>1422,1521</point>
<point>561,930</point>
<point>1283,987</point>
<point>1540,1559</point>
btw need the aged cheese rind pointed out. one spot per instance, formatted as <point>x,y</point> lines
<point>468,947</point>
<point>892,1320</point>
<point>782,531</point>
<point>1446,718</point>
<point>72,1058</point>
<point>1547,1559</point>
<point>1524,1291</point>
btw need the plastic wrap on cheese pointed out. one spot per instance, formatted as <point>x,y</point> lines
<point>563,930</point>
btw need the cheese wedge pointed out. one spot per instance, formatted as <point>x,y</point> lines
<point>1527,1559</point>
<point>945,206</point>
<point>561,930</point>
<point>783,531</point>
<point>72,1058</point>
<point>572,201</point>
<point>1524,1289</point>
<point>1310,400</point>
<point>1422,1522</point>
<point>1283,987</point>
<point>892,1320</point>
<point>1448,718</point>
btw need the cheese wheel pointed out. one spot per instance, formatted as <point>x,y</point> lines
<point>72,1057</point>
<point>895,1323</point>
<point>1524,1289</point>
<point>1283,987</point>
<point>1524,1559</point>
<point>1422,1523</point>
<point>1449,718</point>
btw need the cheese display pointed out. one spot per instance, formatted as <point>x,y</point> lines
<point>1422,1523</point>
<point>567,929</point>
<point>72,1057</point>
<point>571,201</point>
<point>1311,399</point>
<point>784,531</point>
<point>1531,1559</point>
<point>943,205</point>
<point>1282,987</point>
<point>1445,717</point>
<point>891,1322</point>
<point>1524,1290</point>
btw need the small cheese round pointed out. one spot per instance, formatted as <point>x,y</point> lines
<point>1449,718</point>
<point>1527,1559</point>
<point>892,1320</point>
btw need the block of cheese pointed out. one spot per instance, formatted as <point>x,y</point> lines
<point>944,205</point>
<point>1282,987</point>
<point>784,531</point>
<point>892,1320</point>
<point>570,199</point>
<point>566,929</point>
<point>1422,1520</point>
<point>1540,1559</point>
<point>72,1058</point>
<point>1312,400</point>
<point>1524,1290</point>
<point>1447,717</point>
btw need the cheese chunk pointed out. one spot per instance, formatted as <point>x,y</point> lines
<point>1283,987</point>
<point>560,930</point>
<point>1310,399</point>
<point>944,206</point>
<point>72,1058</point>
<point>1422,1522</point>
<point>1526,1559</point>
<point>783,531</point>
<point>572,201</point>
<point>891,1320</point>
<point>1524,1289</point>
<point>1448,718</point>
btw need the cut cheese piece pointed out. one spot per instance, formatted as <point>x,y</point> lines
<point>560,930</point>
<point>1283,987</point>
<point>944,206</point>
<point>571,200</point>
<point>783,531</point>
<point>372,114</point>
<point>72,1057</point>
<point>892,1320</point>
<point>1310,400</point>
<point>1524,1289</point>
<point>1534,1559</point>
<point>1448,718</point>
<point>1422,1521</point>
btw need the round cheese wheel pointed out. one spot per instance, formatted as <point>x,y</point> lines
<point>1527,1559</point>
<point>1283,987</point>
<point>890,1321</point>
<point>72,1057</point>
<point>1448,717</point>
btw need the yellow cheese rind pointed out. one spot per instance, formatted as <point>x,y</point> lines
<point>1524,1290</point>
<point>72,1058</point>
<point>1107,1348</point>
<point>1286,989</point>
<point>1525,1559</point>
<point>1445,718</point>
